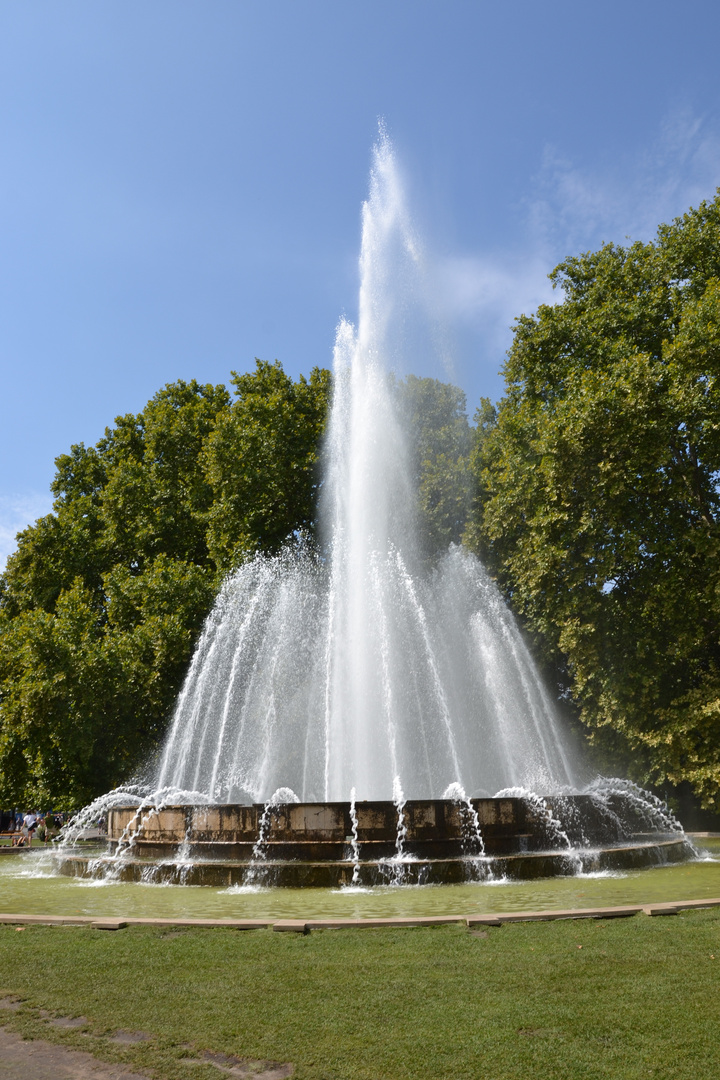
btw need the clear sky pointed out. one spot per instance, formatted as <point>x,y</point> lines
<point>181,181</point>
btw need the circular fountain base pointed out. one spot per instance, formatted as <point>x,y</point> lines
<point>328,845</point>
<point>298,875</point>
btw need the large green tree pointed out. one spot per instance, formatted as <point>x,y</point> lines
<point>102,602</point>
<point>599,505</point>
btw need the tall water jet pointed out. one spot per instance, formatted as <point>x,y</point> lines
<point>358,665</point>
<point>364,667</point>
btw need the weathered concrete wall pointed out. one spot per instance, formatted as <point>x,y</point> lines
<point>308,835</point>
<point>376,821</point>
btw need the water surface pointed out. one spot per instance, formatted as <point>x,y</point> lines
<point>29,885</point>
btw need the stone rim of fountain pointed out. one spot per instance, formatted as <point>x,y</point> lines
<point>311,844</point>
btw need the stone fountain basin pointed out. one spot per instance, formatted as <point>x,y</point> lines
<point>299,874</point>
<point>310,844</point>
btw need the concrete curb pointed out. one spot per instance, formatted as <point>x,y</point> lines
<point>95,920</point>
<point>552,916</point>
<point>303,926</point>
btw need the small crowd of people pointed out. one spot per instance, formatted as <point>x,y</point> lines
<point>24,826</point>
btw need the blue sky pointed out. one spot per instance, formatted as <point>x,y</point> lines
<point>181,182</point>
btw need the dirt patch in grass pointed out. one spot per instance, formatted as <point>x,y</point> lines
<point>35,1059</point>
<point>242,1067</point>
<point>69,1021</point>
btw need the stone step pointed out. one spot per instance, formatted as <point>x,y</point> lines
<point>327,874</point>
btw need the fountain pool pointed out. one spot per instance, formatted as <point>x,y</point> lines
<point>29,883</point>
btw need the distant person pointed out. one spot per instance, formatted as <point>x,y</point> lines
<point>29,825</point>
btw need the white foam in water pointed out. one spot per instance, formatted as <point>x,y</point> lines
<point>240,890</point>
<point>93,883</point>
<point>601,874</point>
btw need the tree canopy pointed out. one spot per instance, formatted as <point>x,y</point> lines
<point>262,460</point>
<point>599,505</point>
<point>102,602</point>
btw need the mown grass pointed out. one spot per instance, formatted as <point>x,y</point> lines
<point>625,999</point>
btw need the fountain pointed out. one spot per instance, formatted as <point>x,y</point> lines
<point>343,699</point>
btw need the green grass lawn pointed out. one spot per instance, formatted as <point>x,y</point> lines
<point>625,998</point>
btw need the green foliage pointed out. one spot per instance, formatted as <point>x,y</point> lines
<point>441,440</point>
<point>86,688</point>
<point>599,502</point>
<point>262,462</point>
<point>102,602</point>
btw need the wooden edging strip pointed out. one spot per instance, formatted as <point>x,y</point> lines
<point>96,920</point>
<point>493,918</point>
